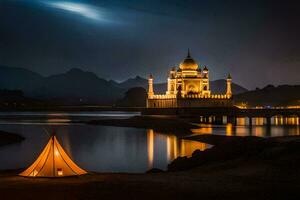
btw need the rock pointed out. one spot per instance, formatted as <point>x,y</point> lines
<point>244,148</point>
<point>197,152</point>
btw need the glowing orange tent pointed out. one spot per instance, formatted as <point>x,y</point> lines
<point>53,162</point>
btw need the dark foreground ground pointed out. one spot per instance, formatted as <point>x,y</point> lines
<point>264,169</point>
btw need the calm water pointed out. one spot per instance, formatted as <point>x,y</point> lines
<point>280,126</point>
<point>116,149</point>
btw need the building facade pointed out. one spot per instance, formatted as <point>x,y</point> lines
<point>188,86</point>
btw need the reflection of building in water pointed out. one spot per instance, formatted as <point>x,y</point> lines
<point>258,131</point>
<point>204,129</point>
<point>280,120</point>
<point>187,147</point>
<point>150,141</point>
<point>259,121</point>
<point>294,131</point>
<point>229,131</point>
<point>188,86</point>
<point>241,121</point>
<point>174,147</point>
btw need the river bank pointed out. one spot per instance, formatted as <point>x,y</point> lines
<point>278,151</point>
<point>234,168</point>
<point>164,124</point>
<point>271,172</point>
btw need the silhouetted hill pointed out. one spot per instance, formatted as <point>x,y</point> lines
<point>134,97</point>
<point>134,82</point>
<point>12,78</point>
<point>73,87</point>
<point>80,87</point>
<point>140,82</point>
<point>76,86</point>
<point>271,96</point>
<point>220,87</point>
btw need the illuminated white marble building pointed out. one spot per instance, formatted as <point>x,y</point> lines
<point>188,86</point>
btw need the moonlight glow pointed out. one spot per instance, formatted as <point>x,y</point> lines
<point>82,9</point>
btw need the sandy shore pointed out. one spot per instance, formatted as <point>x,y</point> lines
<point>228,180</point>
<point>271,172</point>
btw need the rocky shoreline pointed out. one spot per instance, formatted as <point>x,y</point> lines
<point>282,151</point>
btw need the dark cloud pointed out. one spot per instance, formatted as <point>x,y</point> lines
<point>257,41</point>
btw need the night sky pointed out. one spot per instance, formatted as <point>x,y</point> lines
<point>256,41</point>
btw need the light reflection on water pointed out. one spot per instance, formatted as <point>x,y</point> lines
<point>280,126</point>
<point>71,114</point>
<point>99,148</point>
<point>120,149</point>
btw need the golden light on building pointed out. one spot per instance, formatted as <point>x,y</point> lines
<point>188,86</point>
<point>281,120</point>
<point>259,120</point>
<point>276,120</point>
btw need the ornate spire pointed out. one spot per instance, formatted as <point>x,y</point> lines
<point>150,86</point>
<point>229,76</point>
<point>229,92</point>
<point>189,54</point>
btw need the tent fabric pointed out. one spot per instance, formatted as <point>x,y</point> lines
<point>53,162</point>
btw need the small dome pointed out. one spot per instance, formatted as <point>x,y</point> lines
<point>188,63</point>
<point>205,68</point>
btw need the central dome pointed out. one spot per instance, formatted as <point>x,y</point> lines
<point>188,63</point>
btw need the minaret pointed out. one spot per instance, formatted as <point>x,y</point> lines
<point>229,92</point>
<point>171,82</point>
<point>205,81</point>
<point>150,87</point>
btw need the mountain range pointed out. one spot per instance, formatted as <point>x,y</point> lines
<point>282,95</point>
<point>81,87</point>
